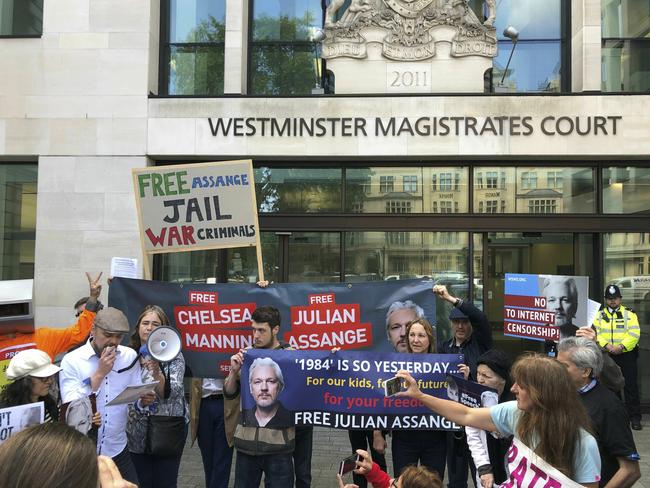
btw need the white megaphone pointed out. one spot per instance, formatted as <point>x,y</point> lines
<point>164,344</point>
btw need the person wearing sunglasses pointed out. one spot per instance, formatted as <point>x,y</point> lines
<point>410,476</point>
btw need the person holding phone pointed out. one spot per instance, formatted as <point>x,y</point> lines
<point>426,447</point>
<point>547,417</point>
<point>410,477</point>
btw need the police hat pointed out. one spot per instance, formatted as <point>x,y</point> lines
<point>613,291</point>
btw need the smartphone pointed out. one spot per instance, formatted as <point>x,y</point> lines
<point>393,386</point>
<point>348,464</point>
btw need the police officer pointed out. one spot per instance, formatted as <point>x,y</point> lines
<point>618,332</point>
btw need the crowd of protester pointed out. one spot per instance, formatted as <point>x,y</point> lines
<point>557,406</point>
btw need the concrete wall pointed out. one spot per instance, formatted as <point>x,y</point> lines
<point>75,100</point>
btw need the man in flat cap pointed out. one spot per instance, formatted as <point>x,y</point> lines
<point>103,367</point>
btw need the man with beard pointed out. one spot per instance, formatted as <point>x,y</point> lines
<point>266,382</point>
<point>562,298</point>
<point>263,445</point>
<point>103,367</point>
<point>397,318</point>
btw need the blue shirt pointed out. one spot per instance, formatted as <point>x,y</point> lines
<point>586,461</point>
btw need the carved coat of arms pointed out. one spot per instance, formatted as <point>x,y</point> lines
<point>408,25</point>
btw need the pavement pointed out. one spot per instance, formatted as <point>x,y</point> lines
<point>331,445</point>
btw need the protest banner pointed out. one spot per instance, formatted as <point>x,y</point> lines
<point>215,320</point>
<point>470,393</point>
<point>193,207</point>
<point>6,354</point>
<point>15,419</point>
<point>545,307</point>
<point>343,390</point>
<point>528,469</point>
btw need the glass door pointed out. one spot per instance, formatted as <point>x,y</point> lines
<point>534,253</point>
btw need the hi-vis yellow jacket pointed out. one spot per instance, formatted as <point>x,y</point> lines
<point>620,327</point>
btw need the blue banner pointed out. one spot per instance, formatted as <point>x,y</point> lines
<point>215,320</point>
<point>344,390</point>
<point>545,307</point>
<point>470,393</point>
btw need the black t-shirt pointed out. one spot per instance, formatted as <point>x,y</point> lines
<point>612,428</point>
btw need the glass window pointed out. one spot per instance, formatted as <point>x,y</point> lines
<point>18,226</point>
<point>314,257</point>
<point>410,184</point>
<point>298,190</point>
<point>241,264</point>
<point>625,45</point>
<point>194,53</point>
<point>242,261</point>
<point>441,256</point>
<point>626,190</point>
<point>627,261</point>
<point>371,189</point>
<point>284,59</point>
<point>625,18</point>
<point>396,206</point>
<point>626,65</point>
<point>386,184</point>
<point>537,62</point>
<point>535,67</point>
<point>529,180</point>
<point>521,190</point>
<point>21,18</point>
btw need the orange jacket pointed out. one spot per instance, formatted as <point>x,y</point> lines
<point>52,341</point>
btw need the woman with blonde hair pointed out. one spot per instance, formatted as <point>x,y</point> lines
<point>548,417</point>
<point>427,447</point>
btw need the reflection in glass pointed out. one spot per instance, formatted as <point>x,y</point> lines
<point>534,190</point>
<point>626,263</point>
<point>284,58</point>
<point>17,220</point>
<point>314,257</point>
<point>406,190</point>
<point>625,18</point>
<point>197,21</point>
<point>286,20</point>
<point>196,70</point>
<point>195,53</point>
<point>284,69</point>
<point>477,263</point>
<point>189,267</point>
<point>298,190</point>
<point>198,266</point>
<point>534,19</point>
<point>21,17</point>
<point>535,67</point>
<point>626,190</point>
<point>626,65</point>
<point>242,261</point>
<point>439,256</point>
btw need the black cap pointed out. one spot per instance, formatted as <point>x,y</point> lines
<point>457,314</point>
<point>613,291</point>
<point>498,361</point>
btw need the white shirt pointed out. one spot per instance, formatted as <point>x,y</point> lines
<point>76,369</point>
